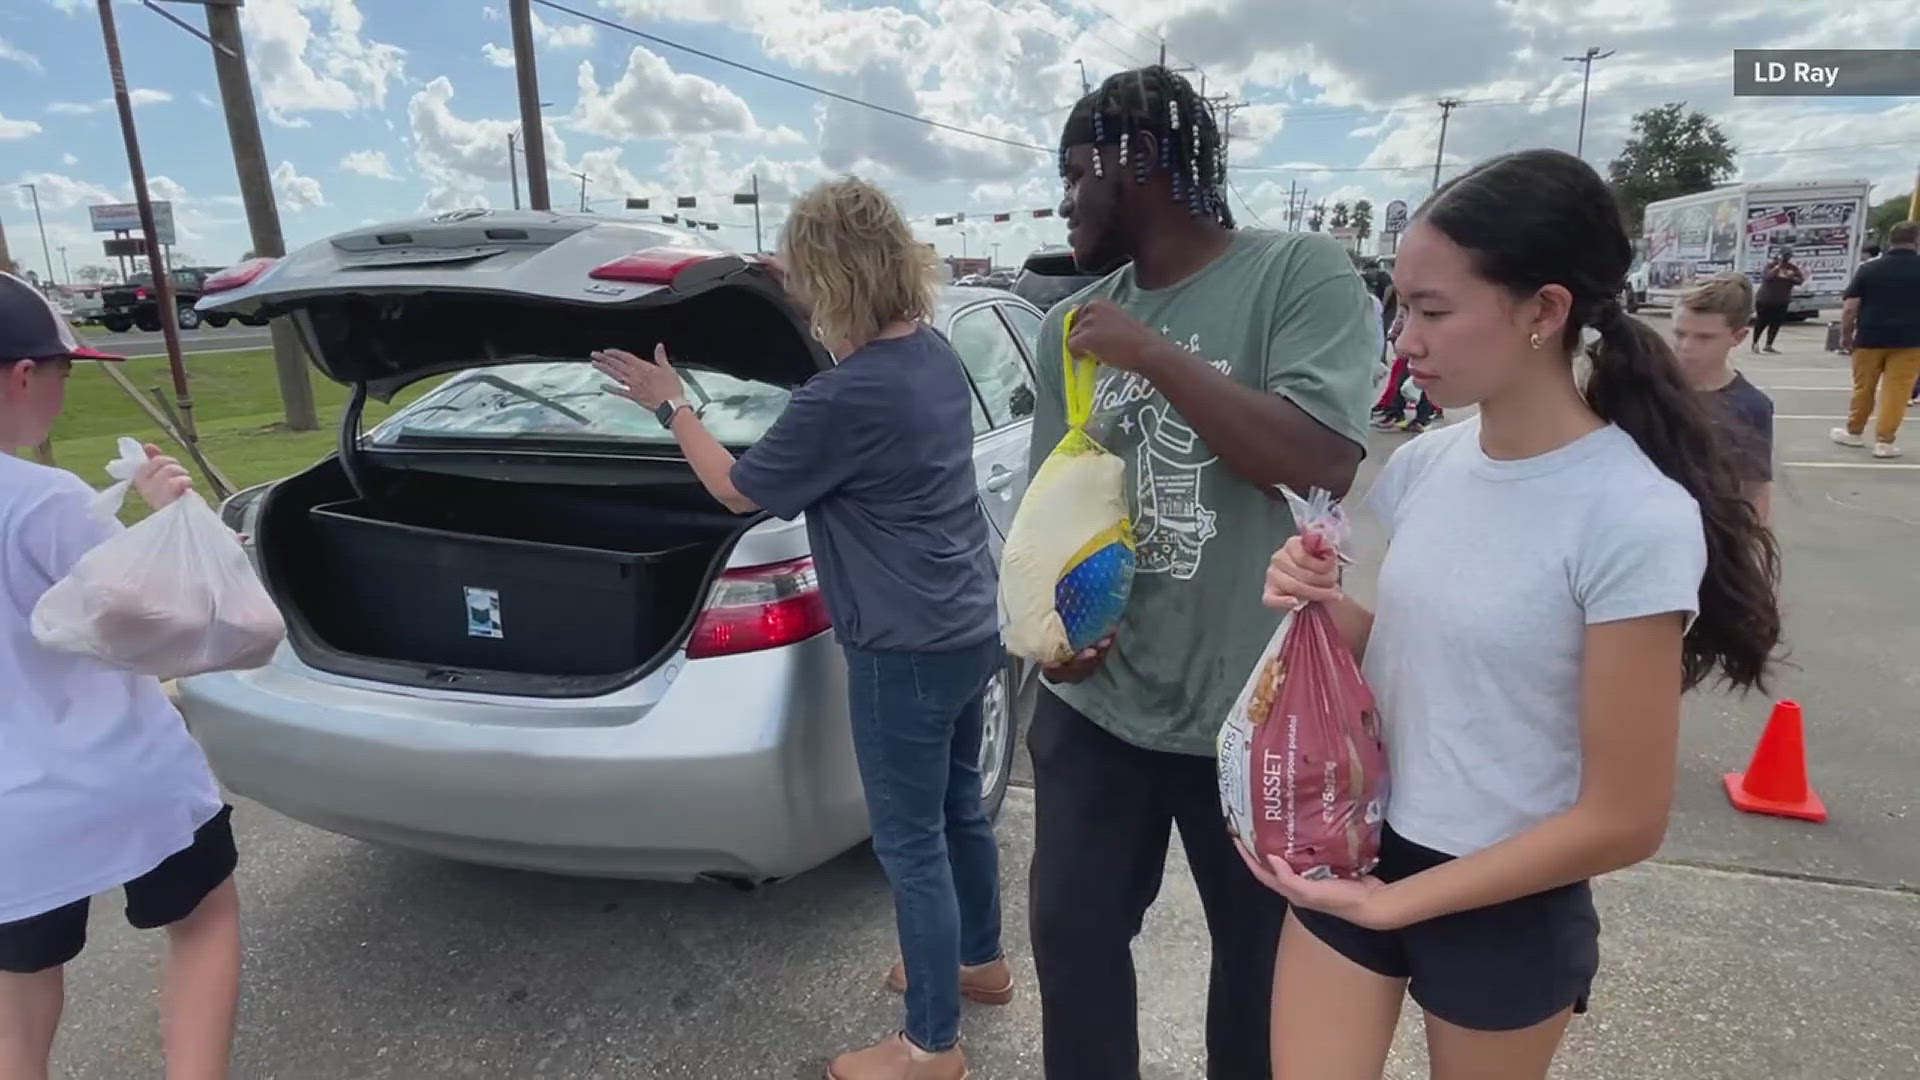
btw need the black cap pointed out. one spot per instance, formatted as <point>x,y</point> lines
<point>31,330</point>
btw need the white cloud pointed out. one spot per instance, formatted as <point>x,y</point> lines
<point>17,129</point>
<point>297,193</point>
<point>573,35</point>
<point>498,55</point>
<point>167,188</point>
<point>462,158</point>
<point>299,69</point>
<point>58,192</point>
<point>69,160</point>
<point>371,163</point>
<point>205,99</point>
<point>650,99</point>
<point>20,56</point>
<point>140,97</point>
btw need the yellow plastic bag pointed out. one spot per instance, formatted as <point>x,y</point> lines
<point>1069,558</point>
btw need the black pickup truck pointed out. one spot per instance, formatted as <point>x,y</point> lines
<point>124,307</point>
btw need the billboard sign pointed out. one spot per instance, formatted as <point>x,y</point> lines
<point>125,217</point>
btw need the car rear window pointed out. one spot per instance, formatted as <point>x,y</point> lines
<point>565,400</point>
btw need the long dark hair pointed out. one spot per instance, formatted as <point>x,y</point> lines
<point>1542,217</point>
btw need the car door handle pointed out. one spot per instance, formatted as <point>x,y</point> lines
<point>1000,479</point>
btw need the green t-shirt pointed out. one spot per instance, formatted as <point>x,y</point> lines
<point>1282,312</point>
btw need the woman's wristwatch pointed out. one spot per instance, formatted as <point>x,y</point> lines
<point>669,409</point>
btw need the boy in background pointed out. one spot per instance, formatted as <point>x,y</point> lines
<point>1709,323</point>
<point>100,784</point>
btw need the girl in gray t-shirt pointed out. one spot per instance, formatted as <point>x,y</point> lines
<point>1562,567</point>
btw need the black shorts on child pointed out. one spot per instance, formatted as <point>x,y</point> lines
<point>1498,968</point>
<point>160,897</point>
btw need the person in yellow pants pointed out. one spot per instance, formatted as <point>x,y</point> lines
<point>1880,326</point>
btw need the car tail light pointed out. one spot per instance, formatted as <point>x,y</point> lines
<point>233,277</point>
<point>139,294</point>
<point>651,266</point>
<point>763,607</point>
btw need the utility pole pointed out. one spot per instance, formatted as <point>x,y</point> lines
<point>531,133</point>
<point>6,257</point>
<point>1585,60</point>
<point>759,246</point>
<point>66,268</point>
<point>583,191</point>
<point>1447,105</point>
<point>256,194</point>
<point>162,286</point>
<point>42,222</point>
<point>1913,202</point>
<point>513,168</point>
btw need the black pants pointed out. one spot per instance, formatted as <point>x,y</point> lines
<point>1104,810</point>
<point>1767,320</point>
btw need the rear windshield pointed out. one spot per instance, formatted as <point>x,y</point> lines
<point>564,400</point>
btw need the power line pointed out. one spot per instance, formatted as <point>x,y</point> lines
<point>1251,212</point>
<point>763,73</point>
<point>1092,33</point>
<point>1101,11</point>
<point>1425,168</point>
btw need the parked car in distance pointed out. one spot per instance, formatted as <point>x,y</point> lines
<point>1050,276</point>
<point>137,303</point>
<point>519,631</point>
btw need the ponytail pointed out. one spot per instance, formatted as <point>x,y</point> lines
<point>1635,383</point>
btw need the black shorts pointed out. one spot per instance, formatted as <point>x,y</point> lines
<point>1497,968</point>
<point>160,897</point>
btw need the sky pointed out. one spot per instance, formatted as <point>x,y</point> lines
<point>383,110</point>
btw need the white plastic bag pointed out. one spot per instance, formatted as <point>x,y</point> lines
<point>172,596</point>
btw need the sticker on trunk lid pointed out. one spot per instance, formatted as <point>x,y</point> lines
<point>483,613</point>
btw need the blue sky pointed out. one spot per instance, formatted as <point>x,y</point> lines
<point>377,110</point>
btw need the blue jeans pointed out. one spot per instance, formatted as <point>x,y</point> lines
<point>916,732</point>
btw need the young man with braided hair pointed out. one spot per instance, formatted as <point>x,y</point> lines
<point>1232,362</point>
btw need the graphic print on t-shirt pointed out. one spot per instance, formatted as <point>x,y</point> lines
<point>1171,523</point>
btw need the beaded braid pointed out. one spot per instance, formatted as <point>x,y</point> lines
<point>1157,101</point>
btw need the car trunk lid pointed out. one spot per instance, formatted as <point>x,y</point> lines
<point>386,306</point>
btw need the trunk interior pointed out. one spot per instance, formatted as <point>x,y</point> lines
<point>570,582</point>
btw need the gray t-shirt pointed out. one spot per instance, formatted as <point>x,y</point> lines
<point>1283,313</point>
<point>1493,572</point>
<point>878,453</point>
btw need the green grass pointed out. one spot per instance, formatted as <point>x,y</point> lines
<point>236,406</point>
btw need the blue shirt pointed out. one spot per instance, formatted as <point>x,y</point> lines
<point>878,453</point>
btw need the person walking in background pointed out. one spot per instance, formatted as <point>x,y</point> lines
<point>1390,412</point>
<point>1231,361</point>
<point>101,786</point>
<point>1880,326</point>
<point>1708,324</point>
<point>1560,569</point>
<point>1777,283</point>
<point>877,452</point>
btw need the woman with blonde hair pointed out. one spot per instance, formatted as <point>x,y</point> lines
<point>877,452</point>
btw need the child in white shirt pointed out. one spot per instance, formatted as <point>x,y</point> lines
<point>100,784</point>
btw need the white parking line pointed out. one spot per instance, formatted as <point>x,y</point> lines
<point>1850,465</point>
<point>197,352</point>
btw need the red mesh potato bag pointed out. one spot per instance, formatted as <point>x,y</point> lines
<point>1303,774</point>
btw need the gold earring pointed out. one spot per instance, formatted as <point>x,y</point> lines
<point>1533,340</point>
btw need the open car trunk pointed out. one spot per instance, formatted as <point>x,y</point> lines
<point>548,589</point>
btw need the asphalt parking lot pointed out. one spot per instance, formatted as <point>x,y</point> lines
<point>1752,948</point>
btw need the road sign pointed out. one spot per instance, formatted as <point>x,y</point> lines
<point>128,247</point>
<point>125,217</point>
<point>1396,221</point>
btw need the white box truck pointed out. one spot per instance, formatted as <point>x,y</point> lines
<point>1741,227</point>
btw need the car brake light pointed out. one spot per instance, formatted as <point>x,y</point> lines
<point>763,607</point>
<point>139,294</point>
<point>233,277</point>
<point>651,266</point>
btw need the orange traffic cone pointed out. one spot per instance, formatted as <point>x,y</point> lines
<point>1776,780</point>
